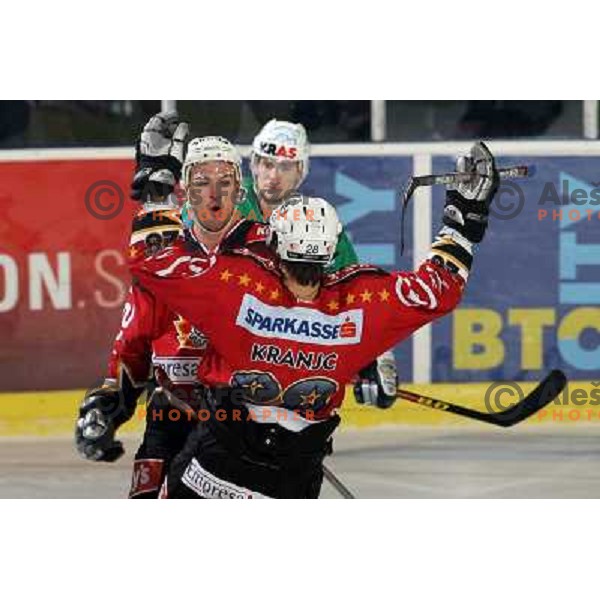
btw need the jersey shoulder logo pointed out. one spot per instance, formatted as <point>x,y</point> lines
<point>414,292</point>
<point>188,336</point>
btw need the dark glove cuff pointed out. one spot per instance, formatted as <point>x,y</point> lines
<point>112,404</point>
<point>468,217</point>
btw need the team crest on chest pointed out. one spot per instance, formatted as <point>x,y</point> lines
<point>188,336</point>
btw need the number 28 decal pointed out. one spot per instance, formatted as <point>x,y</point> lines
<point>312,393</point>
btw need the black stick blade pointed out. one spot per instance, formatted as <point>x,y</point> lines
<point>544,393</point>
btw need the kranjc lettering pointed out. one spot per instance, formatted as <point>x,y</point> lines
<point>300,324</point>
<point>311,361</point>
<point>279,151</point>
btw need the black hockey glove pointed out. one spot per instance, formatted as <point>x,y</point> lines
<point>377,382</point>
<point>100,414</point>
<point>159,157</point>
<point>468,203</point>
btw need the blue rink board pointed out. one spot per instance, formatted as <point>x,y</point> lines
<point>548,267</point>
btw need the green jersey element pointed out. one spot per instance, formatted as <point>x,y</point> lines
<point>250,209</point>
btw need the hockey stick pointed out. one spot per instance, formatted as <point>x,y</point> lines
<point>450,179</point>
<point>544,393</point>
<point>337,484</point>
<point>454,178</point>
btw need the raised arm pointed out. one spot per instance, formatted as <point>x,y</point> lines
<point>402,302</point>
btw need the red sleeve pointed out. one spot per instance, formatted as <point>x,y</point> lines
<point>143,320</point>
<point>397,304</point>
<point>188,284</point>
<point>428,293</point>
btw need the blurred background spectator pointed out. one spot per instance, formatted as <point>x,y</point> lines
<point>64,123</point>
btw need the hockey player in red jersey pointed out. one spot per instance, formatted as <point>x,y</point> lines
<point>151,335</point>
<point>279,163</point>
<point>294,337</point>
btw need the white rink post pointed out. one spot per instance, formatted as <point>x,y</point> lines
<point>378,121</point>
<point>166,105</point>
<point>421,203</point>
<point>590,119</point>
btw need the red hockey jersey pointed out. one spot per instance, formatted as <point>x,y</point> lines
<point>151,334</point>
<point>283,351</point>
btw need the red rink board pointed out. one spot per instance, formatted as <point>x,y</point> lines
<point>63,277</point>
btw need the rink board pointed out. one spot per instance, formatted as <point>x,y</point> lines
<point>533,302</point>
<point>54,413</point>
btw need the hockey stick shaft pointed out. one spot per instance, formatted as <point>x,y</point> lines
<point>445,406</point>
<point>544,393</point>
<point>448,179</point>
<point>453,178</point>
<point>337,484</point>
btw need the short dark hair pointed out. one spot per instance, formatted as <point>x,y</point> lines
<point>305,273</point>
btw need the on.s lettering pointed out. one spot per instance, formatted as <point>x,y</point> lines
<point>119,286</point>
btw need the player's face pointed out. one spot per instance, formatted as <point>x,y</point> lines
<point>212,192</point>
<point>276,178</point>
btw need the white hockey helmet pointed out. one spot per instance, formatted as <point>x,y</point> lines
<point>208,149</point>
<point>306,229</point>
<point>282,140</point>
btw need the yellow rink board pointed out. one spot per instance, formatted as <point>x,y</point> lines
<point>53,413</point>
